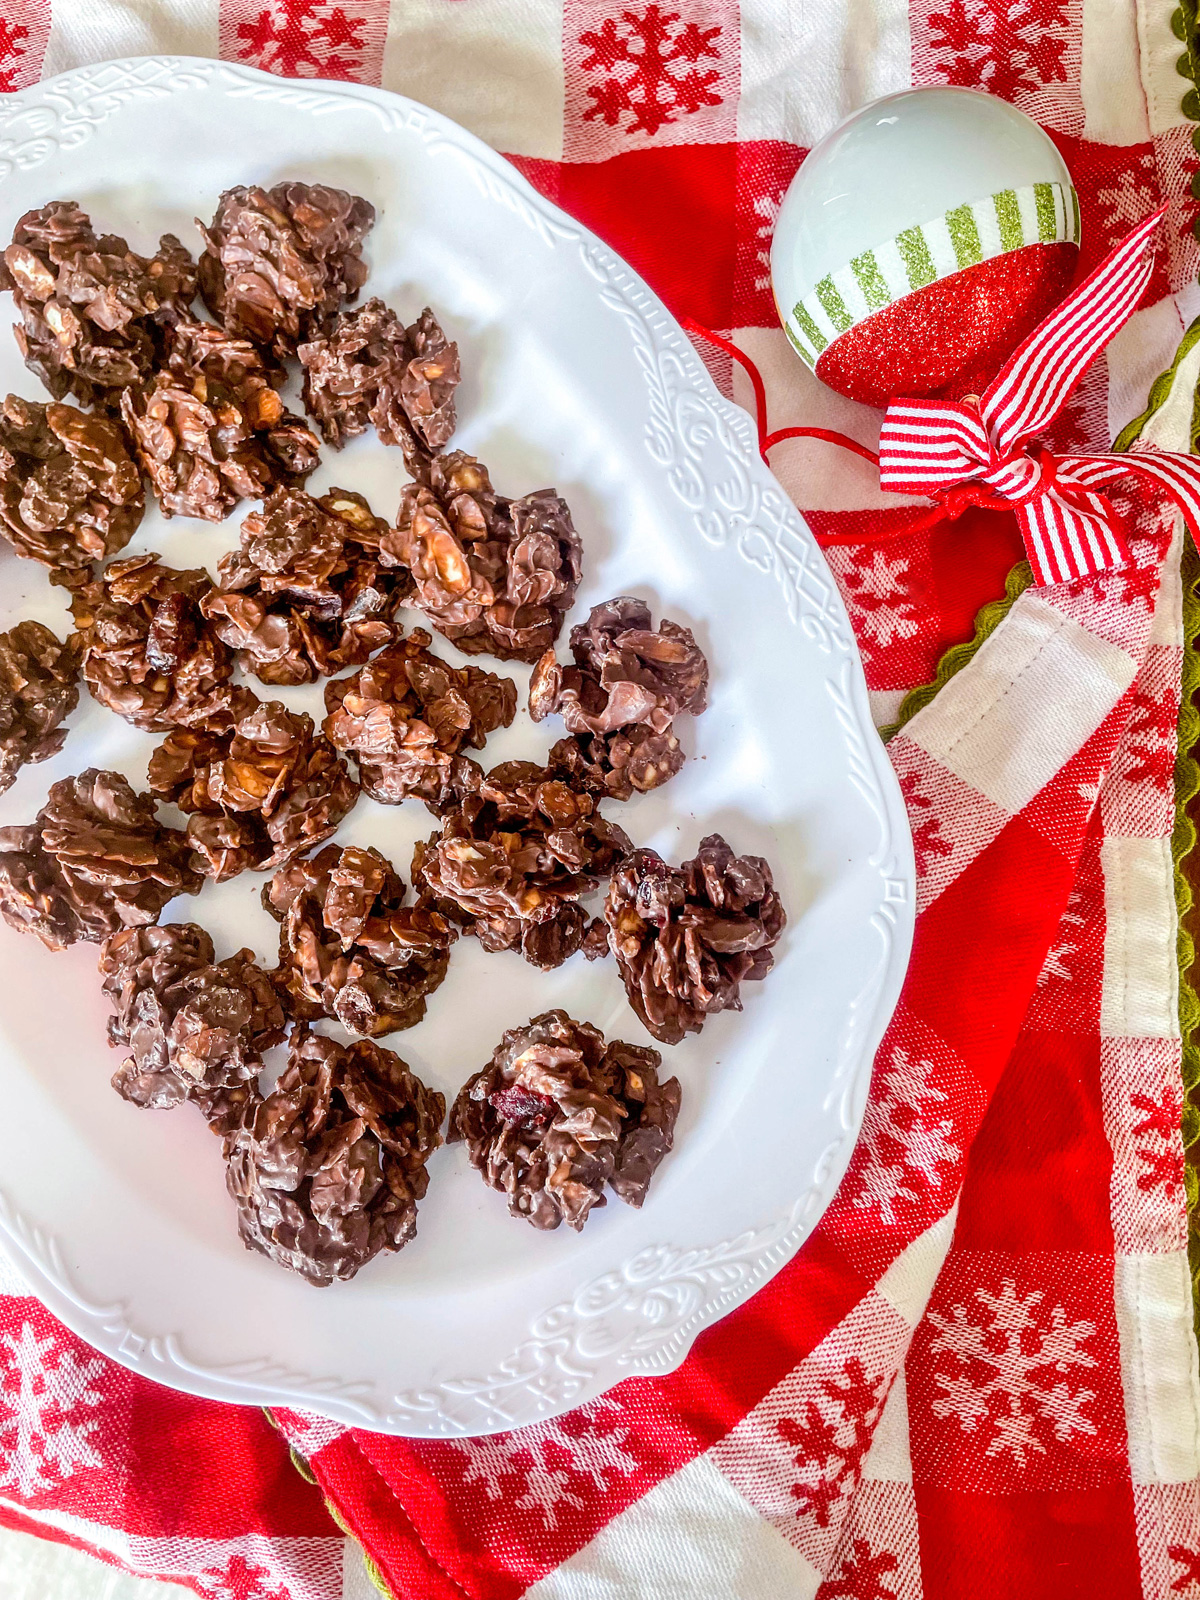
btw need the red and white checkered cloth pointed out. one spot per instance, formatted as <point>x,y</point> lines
<point>979,1377</point>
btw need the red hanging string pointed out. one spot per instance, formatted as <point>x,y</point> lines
<point>949,506</point>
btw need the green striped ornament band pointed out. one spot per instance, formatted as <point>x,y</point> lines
<point>1041,213</point>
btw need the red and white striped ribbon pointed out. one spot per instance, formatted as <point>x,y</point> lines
<point>941,447</point>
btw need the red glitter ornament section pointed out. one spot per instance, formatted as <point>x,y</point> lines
<point>952,337</point>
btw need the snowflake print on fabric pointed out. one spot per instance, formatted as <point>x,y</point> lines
<point>1056,968</point>
<point>928,839</point>
<point>1006,1377</point>
<point>46,1395</point>
<point>861,1575</point>
<point>1157,1142</point>
<point>305,39</point>
<point>13,45</point>
<point>1184,186</point>
<point>1082,424</point>
<point>1008,47</point>
<point>239,1580</point>
<point>765,168</point>
<point>1132,586</point>
<point>655,69</point>
<point>879,601</point>
<point>1155,718</point>
<point>832,1438</point>
<point>905,1147</point>
<point>1129,195</point>
<point>1188,1580</point>
<point>766,210</point>
<point>547,1464</point>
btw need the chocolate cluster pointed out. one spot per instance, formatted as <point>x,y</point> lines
<point>266,790</point>
<point>210,430</point>
<point>195,1027</point>
<point>147,654</point>
<point>514,858</point>
<point>93,312</point>
<point>686,938</point>
<point>39,678</point>
<point>497,576</point>
<point>558,1116</point>
<point>279,263</point>
<point>327,1170</point>
<point>304,594</point>
<point>70,492</point>
<point>619,700</point>
<point>95,860</point>
<point>349,947</point>
<point>407,716</point>
<point>372,371</point>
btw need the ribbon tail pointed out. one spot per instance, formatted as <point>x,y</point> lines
<point>1067,539</point>
<point>1033,386</point>
<point>1179,475</point>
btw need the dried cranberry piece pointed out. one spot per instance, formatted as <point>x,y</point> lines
<point>515,1103</point>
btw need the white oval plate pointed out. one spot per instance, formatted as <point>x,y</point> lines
<point>574,375</point>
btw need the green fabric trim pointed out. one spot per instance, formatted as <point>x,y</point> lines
<point>955,659</point>
<point>302,1466</point>
<point>1159,390</point>
<point>1184,25</point>
<point>309,1476</point>
<point>1183,841</point>
<point>1183,837</point>
<point>373,1571</point>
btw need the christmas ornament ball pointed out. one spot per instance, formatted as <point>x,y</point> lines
<point>920,242</point>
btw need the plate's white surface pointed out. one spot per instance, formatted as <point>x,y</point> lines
<point>575,375</point>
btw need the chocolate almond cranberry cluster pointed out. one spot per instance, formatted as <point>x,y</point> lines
<point>557,1116</point>
<point>38,678</point>
<point>407,716</point>
<point>258,793</point>
<point>70,491</point>
<point>493,575</point>
<point>95,859</point>
<point>305,594</point>
<point>148,387</point>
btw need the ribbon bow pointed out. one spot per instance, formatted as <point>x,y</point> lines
<point>961,453</point>
<point>977,452</point>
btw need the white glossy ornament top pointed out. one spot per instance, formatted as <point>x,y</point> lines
<point>896,164</point>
